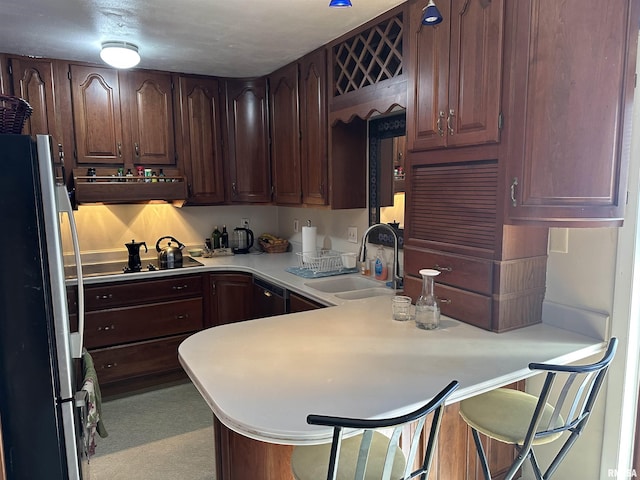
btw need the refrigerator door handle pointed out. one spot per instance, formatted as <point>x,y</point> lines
<point>64,206</point>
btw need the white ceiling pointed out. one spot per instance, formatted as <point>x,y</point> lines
<point>233,38</point>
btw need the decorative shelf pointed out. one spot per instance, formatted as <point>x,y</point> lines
<point>107,187</point>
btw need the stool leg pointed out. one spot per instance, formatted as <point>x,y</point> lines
<point>481,455</point>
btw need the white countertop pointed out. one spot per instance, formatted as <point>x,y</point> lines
<point>261,378</point>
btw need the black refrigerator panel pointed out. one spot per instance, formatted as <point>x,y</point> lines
<point>30,414</point>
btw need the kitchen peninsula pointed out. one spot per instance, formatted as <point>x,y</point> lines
<point>261,378</point>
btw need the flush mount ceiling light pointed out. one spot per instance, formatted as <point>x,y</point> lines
<point>340,3</point>
<point>431,15</point>
<point>120,54</point>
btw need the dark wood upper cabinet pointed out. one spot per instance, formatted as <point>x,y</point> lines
<point>35,81</point>
<point>5,87</point>
<point>285,135</point>
<point>148,97</point>
<point>247,141</point>
<point>122,118</point>
<point>455,75</point>
<point>97,120</point>
<point>313,126</point>
<point>569,98</point>
<point>199,139</point>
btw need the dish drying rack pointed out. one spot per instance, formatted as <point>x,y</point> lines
<point>321,263</point>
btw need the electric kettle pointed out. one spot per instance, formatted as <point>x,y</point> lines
<point>169,256</point>
<point>242,240</point>
<point>134,264</point>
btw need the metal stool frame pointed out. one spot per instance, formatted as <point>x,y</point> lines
<point>435,406</point>
<point>592,377</point>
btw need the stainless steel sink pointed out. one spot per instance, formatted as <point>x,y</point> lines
<point>339,284</point>
<point>366,293</point>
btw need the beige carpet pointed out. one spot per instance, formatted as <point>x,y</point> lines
<point>165,434</point>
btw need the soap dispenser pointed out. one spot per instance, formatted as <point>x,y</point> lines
<point>380,268</point>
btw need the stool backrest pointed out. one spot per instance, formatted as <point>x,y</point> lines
<point>416,420</point>
<point>572,391</point>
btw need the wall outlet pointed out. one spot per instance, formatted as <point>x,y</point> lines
<point>296,225</point>
<point>244,222</point>
<point>352,234</point>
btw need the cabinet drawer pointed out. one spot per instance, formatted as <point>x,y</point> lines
<point>137,359</point>
<point>121,294</point>
<point>468,273</point>
<point>130,324</point>
<point>467,307</point>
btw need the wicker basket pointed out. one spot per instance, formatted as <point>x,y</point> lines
<point>14,111</point>
<point>274,248</point>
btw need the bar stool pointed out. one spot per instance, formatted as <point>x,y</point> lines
<point>563,405</point>
<point>371,454</point>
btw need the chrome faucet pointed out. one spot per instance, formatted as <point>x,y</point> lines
<point>396,281</point>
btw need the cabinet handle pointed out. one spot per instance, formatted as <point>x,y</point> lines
<point>180,287</point>
<point>213,288</point>
<point>439,123</point>
<point>106,328</point>
<point>109,296</point>
<point>442,269</point>
<point>120,149</point>
<point>514,184</point>
<point>267,293</point>
<point>109,365</point>
<point>445,301</point>
<point>137,148</point>
<point>452,114</point>
<point>182,316</point>
<point>234,189</point>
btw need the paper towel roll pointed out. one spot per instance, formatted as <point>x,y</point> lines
<point>309,235</point>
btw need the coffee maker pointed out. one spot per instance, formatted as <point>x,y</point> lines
<point>134,263</point>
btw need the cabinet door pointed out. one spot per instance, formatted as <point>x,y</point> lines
<point>199,136</point>
<point>230,295</point>
<point>149,101</point>
<point>285,135</point>
<point>455,80</point>
<point>475,72</point>
<point>34,80</point>
<point>248,140</point>
<point>568,139</point>
<point>5,89</point>
<point>428,78</point>
<point>313,126</point>
<point>298,303</point>
<point>97,120</point>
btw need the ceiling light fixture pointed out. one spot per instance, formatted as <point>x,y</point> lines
<point>431,15</point>
<point>120,54</point>
<point>340,3</point>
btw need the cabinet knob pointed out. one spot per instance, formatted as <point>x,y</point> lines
<point>452,114</point>
<point>439,123</point>
<point>442,269</point>
<point>514,184</point>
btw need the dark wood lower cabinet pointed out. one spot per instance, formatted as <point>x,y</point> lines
<point>133,329</point>
<point>239,457</point>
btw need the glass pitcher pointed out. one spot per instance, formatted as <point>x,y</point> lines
<point>427,308</point>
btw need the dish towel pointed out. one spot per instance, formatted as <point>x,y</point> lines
<point>94,406</point>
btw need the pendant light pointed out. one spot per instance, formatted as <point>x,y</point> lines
<point>431,15</point>
<point>340,3</point>
<point>120,54</point>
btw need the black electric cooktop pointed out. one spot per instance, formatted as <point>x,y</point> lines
<point>118,268</point>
